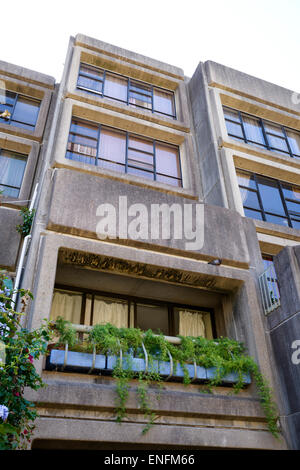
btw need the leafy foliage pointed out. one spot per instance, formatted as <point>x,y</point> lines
<point>25,227</point>
<point>22,348</point>
<point>223,354</point>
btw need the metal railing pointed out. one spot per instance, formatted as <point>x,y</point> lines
<point>269,289</point>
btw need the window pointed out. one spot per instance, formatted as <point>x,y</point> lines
<point>91,308</point>
<point>22,111</point>
<point>125,152</point>
<point>256,131</point>
<point>270,200</point>
<point>12,167</point>
<point>269,285</point>
<point>126,90</point>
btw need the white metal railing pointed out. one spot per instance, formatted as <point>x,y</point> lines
<point>269,289</point>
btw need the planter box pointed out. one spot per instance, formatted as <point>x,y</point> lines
<point>76,360</point>
<point>83,362</point>
<point>230,378</point>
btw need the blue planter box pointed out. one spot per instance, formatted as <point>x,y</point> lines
<point>76,360</point>
<point>84,362</point>
<point>230,378</point>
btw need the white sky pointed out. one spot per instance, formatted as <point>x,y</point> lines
<point>259,37</point>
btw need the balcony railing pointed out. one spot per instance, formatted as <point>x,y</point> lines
<point>269,289</point>
<point>65,360</point>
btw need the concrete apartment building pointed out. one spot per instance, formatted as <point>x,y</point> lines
<point>121,124</point>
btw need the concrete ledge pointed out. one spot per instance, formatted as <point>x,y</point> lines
<point>81,430</point>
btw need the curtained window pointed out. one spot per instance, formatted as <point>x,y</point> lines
<point>126,90</point>
<point>92,309</point>
<point>12,168</point>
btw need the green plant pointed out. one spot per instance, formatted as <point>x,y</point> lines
<point>223,354</point>
<point>22,347</point>
<point>67,334</point>
<point>25,227</point>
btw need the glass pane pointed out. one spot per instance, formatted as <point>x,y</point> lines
<point>92,72</point>
<point>296,224</point>
<point>90,84</point>
<point>152,317</point>
<point>141,160</point>
<point>246,179</point>
<point>253,130</point>
<point>231,114</point>
<point>111,165</point>
<point>9,192</point>
<point>83,128</point>
<point>169,180</point>
<point>142,173</point>
<point>140,144</point>
<point>109,310</point>
<point>291,192</point>
<point>293,206</point>
<point>277,220</point>
<point>140,100</point>
<point>12,169</point>
<point>7,97</point>
<point>253,214</point>
<point>86,141</point>
<point>112,145</point>
<point>277,143</point>
<point>81,158</point>
<point>234,129</point>
<point>115,87</point>
<point>294,141</point>
<point>67,305</point>
<point>270,196</point>
<point>140,88</point>
<point>26,111</point>
<point>163,102</point>
<point>167,160</point>
<point>273,129</point>
<point>249,198</point>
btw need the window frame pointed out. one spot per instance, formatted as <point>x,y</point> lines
<point>263,124</point>
<point>289,217</point>
<point>25,158</point>
<point>129,90</point>
<point>128,135</point>
<point>136,300</point>
<point>12,121</point>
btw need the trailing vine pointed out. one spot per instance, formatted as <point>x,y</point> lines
<point>224,355</point>
<point>17,370</point>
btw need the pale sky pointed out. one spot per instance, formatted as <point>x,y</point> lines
<point>258,37</point>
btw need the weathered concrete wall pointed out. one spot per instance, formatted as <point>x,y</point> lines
<point>9,237</point>
<point>284,325</point>
<point>184,416</point>
<point>209,160</point>
<point>76,196</point>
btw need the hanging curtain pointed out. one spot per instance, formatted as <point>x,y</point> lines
<point>115,87</point>
<point>112,312</point>
<point>113,145</point>
<point>67,305</point>
<point>163,102</point>
<point>191,324</point>
<point>12,169</point>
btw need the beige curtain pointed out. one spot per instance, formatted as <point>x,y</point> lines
<point>191,324</point>
<point>113,145</point>
<point>163,102</point>
<point>115,87</point>
<point>67,305</point>
<point>115,313</point>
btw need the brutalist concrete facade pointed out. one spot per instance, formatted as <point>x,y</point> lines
<point>77,410</point>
